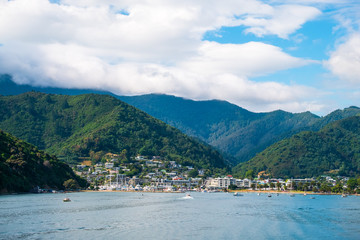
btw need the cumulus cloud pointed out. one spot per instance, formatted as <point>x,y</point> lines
<point>344,62</point>
<point>137,47</point>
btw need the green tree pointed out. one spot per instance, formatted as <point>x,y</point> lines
<point>249,174</point>
<point>232,187</point>
<point>71,184</point>
<point>193,173</point>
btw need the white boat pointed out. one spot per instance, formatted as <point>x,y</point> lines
<point>66,200</point>
<point>188,196</point>
<point>238,194</point>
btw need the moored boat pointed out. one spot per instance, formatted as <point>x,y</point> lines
<point>66,200</point>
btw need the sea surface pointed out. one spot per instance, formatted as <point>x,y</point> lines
<point>125,215</point>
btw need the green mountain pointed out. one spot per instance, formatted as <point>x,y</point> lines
<point>239,134</point>
<point>233,130</point>
<point>91,125</point>
<point>23,167</point>
<point>335,149</point>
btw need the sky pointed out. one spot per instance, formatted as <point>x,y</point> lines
<point>262,55</point>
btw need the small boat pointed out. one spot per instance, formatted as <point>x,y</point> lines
<point>66,200</point>
<point>305,194</point>
<point>269,195</point>
<point>258,194</point>
<point>343,195</point>
<point>188,196</point>
<point>277,194</point>
<point>238,194</point>
<point>312,197</point>
<point>292,195</point>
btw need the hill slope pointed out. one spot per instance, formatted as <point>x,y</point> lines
<point>23,167</point>
<point>238,133</point>
<point>233,130</point>
<point>91,125</point>
<point>335,149</point>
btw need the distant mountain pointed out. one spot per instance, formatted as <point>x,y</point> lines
<point>238,133</point>
<point>335,149</point>
<point>23,167</point>
<point>233,130</point>
<point>9,87</point>
<point>92,125</point>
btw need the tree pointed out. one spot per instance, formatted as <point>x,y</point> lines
<point>278,185</point>
<point>193,173</point>
<point>272,185</point>
<point>71,184</point>
<point>352,184</point>
<point>249,174</point>
<point>232,187</point>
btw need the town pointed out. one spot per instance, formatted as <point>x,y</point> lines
<point>154,174</point>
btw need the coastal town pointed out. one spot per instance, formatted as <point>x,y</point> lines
<point>154,174</point>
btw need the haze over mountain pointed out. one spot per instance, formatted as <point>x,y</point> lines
<point>92,125</point>
<point>335,149</point>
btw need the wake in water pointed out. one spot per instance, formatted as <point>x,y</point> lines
<point>188,196</point>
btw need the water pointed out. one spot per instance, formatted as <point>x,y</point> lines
<point>118,215</point>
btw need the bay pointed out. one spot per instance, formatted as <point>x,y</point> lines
<point>135,215</point>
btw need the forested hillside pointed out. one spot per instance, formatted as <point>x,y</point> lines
<point>334,150</point>
<point>92,125</point>
<point>23,167</point>
<point>233,130</point>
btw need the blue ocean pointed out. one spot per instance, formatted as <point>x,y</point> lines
<point>135,215</point>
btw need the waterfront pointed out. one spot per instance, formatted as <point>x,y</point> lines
<point>132,215</point>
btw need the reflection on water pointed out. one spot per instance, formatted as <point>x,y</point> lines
<point>95,215</point>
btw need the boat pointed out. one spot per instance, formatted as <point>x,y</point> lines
<point>258,194</point>
<point>312,197</point>
<point>269,195</point>
<point>66,200</point>
<point>188,196</point>
<point>305,194</point>
<point>238,194</point>
<point>292,195</point>
<point>344,195</point>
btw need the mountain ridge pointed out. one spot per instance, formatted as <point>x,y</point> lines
<point>91,125</point>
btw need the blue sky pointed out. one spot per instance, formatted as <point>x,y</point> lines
<point>294,55</point>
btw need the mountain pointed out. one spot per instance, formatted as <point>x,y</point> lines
<point>91,125</point>
<point>335,149</point>
<point>238,133</point>
<point>23,167</point>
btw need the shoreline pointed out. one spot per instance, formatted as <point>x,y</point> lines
<point>289,192</point>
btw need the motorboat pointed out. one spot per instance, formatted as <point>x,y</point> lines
<point>238,194</point>
<point>188,196</point>
<point>66,200</point>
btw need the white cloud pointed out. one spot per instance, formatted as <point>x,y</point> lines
<point>344,62</point>
<point>157,47</point>
<point>281,20</point>
<point>246,60</point>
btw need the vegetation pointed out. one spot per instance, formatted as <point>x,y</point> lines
<point>91,125</point>
<point>239,134</point>
<point>334,150</point>
<point>235,131</point>
<point>23,167</point>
